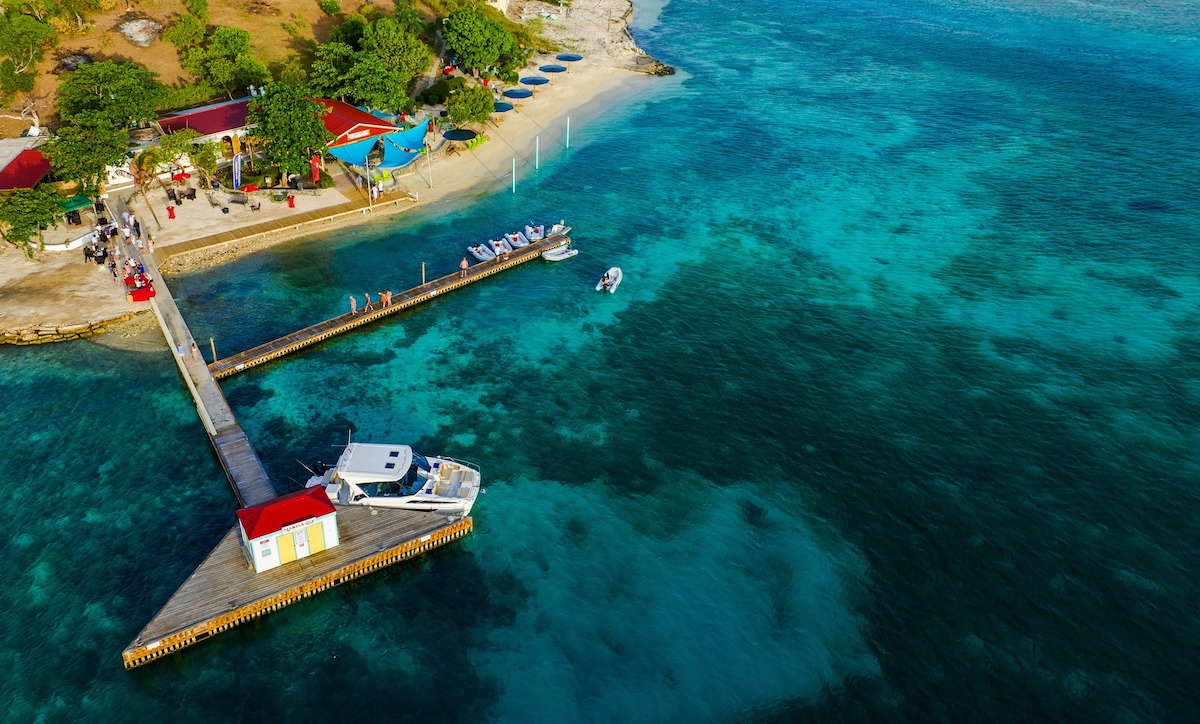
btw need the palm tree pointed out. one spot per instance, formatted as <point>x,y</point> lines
<point>143,168</point>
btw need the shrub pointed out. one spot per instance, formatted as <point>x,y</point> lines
<point>330,7</point>
<point>439,92</point>
<point>199,8</point>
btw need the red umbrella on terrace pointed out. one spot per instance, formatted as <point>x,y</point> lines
<point>181,176</point>
<point>250,188</point>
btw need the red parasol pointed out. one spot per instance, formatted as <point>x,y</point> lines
<point>181,176</point>
<point>250,187</point>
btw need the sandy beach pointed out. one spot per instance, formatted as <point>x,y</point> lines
<point>58,289</point>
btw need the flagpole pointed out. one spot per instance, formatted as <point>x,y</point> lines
<point>429,164</point>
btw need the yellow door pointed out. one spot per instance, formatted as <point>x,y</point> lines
<point>316,538</point>
<point>287,548</point>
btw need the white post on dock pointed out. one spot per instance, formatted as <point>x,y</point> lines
<point>514,174</point>
<point>214,349</point>
<point>429,164</point>
<point>537,152</point>
<point>422,273</point>
<point>568,131</point>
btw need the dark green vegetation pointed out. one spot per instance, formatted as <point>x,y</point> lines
<point>288,128</point>
<point>26,212</point>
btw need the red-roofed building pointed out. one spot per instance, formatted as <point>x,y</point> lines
<point>214,120</point>
<point>349,124</point>
<point>289,527</point>
<point>25,171</point>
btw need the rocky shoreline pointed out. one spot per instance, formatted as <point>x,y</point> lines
<point>46,333</point>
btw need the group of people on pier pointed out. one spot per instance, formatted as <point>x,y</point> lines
<point>385,300</point>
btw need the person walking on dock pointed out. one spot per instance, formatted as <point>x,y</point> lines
<point>462,267</point>
<point>353,305</point>
<point>368,307</point>
<point>389,298</point>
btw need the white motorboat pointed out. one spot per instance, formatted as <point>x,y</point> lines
<point>500,246</point>
<point>481,252</point>
<point>393,476</point>
<point>559,229</point>
<point>516,239</point>
<point>559,253</point>
<point>610,281</point>
<point>535,233</point>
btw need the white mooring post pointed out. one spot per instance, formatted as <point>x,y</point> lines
<point>514,172</point>
<point>537,152</point>
<point>568,131</point>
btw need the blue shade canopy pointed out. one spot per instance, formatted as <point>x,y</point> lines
<point>518,93</point>
<point>355,153</point>
<point>459,134</point>
<point>568,57</point>
<point>503,107</point>
<point>534,80</point>
<point>553,68</point>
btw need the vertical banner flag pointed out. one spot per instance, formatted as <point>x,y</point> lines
<point>316,168</point>
<point>237,171</point>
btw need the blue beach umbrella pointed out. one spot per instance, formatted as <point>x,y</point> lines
<point>553,68</point>
<point>502,107</point>
<point>518,93</point>
<point>568,57</point>
<point>459,134</point>
<point>534,80</point>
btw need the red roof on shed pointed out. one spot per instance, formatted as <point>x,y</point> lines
<point>209,120</point>
<point>26,170</point>
<point>274,515</point>
<point>350,124</point>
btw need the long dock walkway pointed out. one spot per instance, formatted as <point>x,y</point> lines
<point>225,591</point>
<point>242,466</point>
<point>308,336</point>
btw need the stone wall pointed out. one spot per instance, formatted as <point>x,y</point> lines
<point>43,333</point>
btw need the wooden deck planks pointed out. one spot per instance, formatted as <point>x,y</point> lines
<point>224,590</point>
<point>242,465</point>
<point>321,331</point>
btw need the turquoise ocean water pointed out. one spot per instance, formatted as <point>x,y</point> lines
<point>894,416</point>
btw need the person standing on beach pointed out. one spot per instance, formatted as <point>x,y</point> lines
<point>462,267</point>
<point>353,305</point>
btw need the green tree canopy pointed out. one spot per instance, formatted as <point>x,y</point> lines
<point>227,62</point>
<point>174,146</point>
<point>372,83</point>
<point>85,147</point>
<point>288,127</point>
<point>350,31</point>
<point>470,105</point>
<point>187,32</point>
<point>24,39</point>
<point>477,40</point>
<point>27,211</point>
<point>119,91</point>
<point>330,69</point>
<point>395,45</point>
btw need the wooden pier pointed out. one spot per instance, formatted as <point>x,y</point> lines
<point>308,336</point>
<point>225,591</point>
<point>241,464</point>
